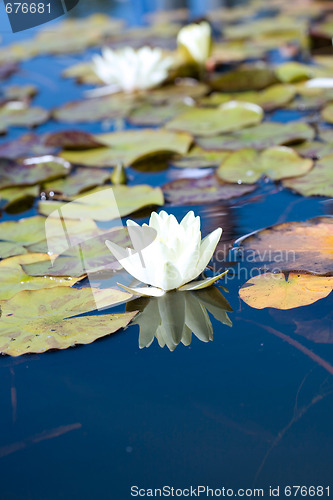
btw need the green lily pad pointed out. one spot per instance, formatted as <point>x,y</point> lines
<point>327,113</point>
<point>244,78</point>
<point>199,158</point>
<point>83,73</point>
<point>249,165</point>
<point>94,109</point>
<point>39,320</point>
<point>10,197</point>
<point>273,97</point>
<point>30,172</point>
<point>152,114</point>
<point>19,92</point>
<point>261,136</point>
<point>31,230</point>
<point>293,246</point>
<point>179,92</point>
<point>96,203</point>
<point>318,182</point>
<point>204,190</point>
<point>293,72</point>
<point>9,248</point>
<point>130,147</point>
<point>314,149</point>
<point>80,180</point>
<point>18,115</point>
<point>227,118</point>
<point>14,280</point>
<point>89,254</point>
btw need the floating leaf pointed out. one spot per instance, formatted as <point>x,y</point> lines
<point>131,146</point>
<point>293,72</point>
<point>318,182</point>
<point>285,292</point>
<point>181,92</point>
<point>327,113</point>
<point>32,171</point>
<point>13,196</point>
<point>293,246</point>
<point>39,320</point>
<point>314,149</point>
<point>71,139</point>
<point>26,145</point>
<point>244,78</point>
<point>19,92</point>
<point>152,114</point>
<point>14,279</point>
<point>8,248</point>
<point>249,165</point>
<point>80,180</point>
<point>98,205</point>
<point>199,158</point>
<point>203,190</point>
<point>83,255</point>
<point>261,136</point>
<point>83,72</point>
<point>93,110</point>
<point>228,117</point>
<point>18,115</point>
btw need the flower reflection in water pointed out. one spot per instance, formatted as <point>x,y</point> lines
<point>173,317</point>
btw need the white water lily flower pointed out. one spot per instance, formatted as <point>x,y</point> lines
<point>319,83</point>
<point>130,70</point>
<point>195,42</point>
<point>174,258</point>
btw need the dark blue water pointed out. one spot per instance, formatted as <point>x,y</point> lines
<point>251,409</point>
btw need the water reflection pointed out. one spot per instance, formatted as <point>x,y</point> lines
<point>173,317</point>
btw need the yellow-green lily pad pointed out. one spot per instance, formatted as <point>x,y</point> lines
<point>248,165</point>
<point>130,146</point>
<point>154,114</point>
<point>244,78</point>
<point>39,320</point>
<point>96,203</point>
<point>318,182</point>
<point>199,158</point>
<point>293,72</point>
<point>261,136</point>
<point>285,292</point>
<point>227,118</point>
<point>9,248</point>
<point>15,114</point>
<point>327,113</point>
<point>10,197</point>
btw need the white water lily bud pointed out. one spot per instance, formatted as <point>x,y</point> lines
<point>195,42</point>
<point>175,257</point>
<point>129,70</point>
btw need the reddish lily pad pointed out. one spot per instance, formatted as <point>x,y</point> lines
<point>26,145</point>
<point>293,246</point>
<point>31,171</point>
<point>203,190</point>
<point>71,139</point>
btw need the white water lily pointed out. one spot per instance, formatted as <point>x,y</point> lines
<point>129,70</point>
<point>173,318</point>
<point>195,42</point>
<point>319,83</point>
<point>171,260</point>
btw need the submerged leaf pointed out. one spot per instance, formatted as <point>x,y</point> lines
<point>248,165</point>
<point>281,292</point>
<point>39,320</point>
